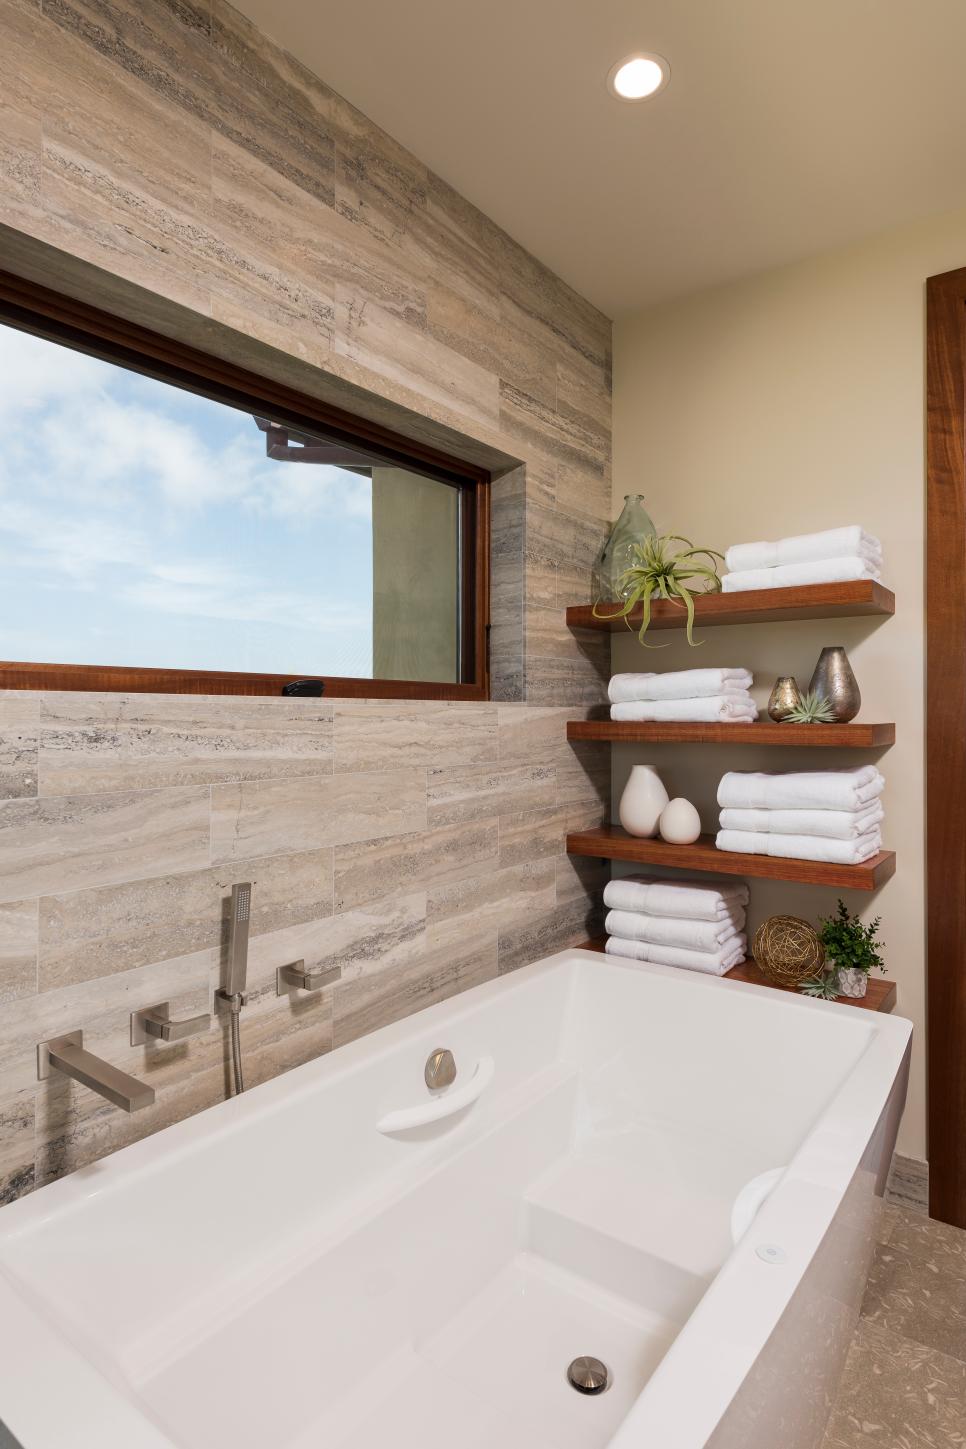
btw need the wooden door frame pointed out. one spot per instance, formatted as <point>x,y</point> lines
<point>946,743</point>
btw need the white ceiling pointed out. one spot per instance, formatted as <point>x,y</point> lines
<point>789,126</point>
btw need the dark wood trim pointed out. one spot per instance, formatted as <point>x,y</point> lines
<point>759,732</point>
<point>611,842</point>
<point>62,319</point>
<point>946,744</point>
<point>757,606</point>
<point>881,995</point>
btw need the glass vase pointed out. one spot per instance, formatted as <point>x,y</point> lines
<point>616,554</point>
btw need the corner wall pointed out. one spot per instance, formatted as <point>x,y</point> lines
<point>790,402</point>
<point>169,163</point>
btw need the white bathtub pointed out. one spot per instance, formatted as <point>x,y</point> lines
<point>277,1273</point>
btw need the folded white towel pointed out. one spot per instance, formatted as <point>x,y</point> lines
<point>694,900</point>
<point>712,709</point>
<point>667,931</point>
<point>851,541</point>
<point>790,576</point>
<point>712,963</point>
<point>802,847</point>
<point>806,790</point>
<point>678,684</point>
<point>834,824</point>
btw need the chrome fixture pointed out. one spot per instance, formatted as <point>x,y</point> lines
<point>440,1070</point>
<point>232,995</point>
<point>154,1023</point>
<point>588,1375</point>
<point>66,1054</point>
<point>296,977</point>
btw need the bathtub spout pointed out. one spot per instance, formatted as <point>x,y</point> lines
<point>66,1054</point>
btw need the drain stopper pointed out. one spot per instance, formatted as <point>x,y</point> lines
<point>588,1375</point>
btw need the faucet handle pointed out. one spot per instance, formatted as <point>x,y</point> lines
<point>295,976</point>
<point>154,1023</point>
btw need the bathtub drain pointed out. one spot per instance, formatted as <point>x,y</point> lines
<point>588,1375</point>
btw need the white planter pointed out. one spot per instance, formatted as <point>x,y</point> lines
<point>850,981</point>
<point>642,802</point>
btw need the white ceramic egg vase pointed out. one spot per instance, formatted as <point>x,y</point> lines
<point>680,823</point>
<point>642,802</point>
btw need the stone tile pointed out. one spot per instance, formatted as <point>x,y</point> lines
<point>897,1394</point>
<point>21,163</point>
<point>582,880</point>
<point>548,433</point>
<point>908,1184</point>
<point>371,1001</point>
<point>528,735</point>
<point>391,734</point>
<point>381,936</point>
<point>583,777</point>
<point>584,491</point>
<point>371,336</point>
<point>530,835</point>
<point>939,1248</point>
<point>86,934</point>
<point>16,1144</point>
<point>912,1292</point>
<point>461,793</point>
<point>566,924</point>
<point>199,748</point>
<point>176,62</point>
<point>271,817</point>
<point>18,949</point>
<point>18,762</point>
<point>368,869</point>
<point>494,901</point>
<point>567,544</point>
<point>73,842</point>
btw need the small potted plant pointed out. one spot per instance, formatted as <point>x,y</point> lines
<point>851,952</point>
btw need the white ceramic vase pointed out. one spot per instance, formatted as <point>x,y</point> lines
<point>851,981</point>
<point>642,802</point>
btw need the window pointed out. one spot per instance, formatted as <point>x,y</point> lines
<point>171,523</point>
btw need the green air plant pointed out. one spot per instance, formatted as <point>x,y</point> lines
<point>814,708</point>
<point>824,986</point>
<point>657,573</point>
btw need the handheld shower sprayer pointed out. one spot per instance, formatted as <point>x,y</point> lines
<point>235,974</point>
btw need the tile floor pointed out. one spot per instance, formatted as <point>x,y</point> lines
<point>904,1385</point>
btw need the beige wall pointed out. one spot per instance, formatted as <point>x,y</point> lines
<point>790,402</point>
<point>169,163</point>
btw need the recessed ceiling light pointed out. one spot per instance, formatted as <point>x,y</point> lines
<point>638,76</point>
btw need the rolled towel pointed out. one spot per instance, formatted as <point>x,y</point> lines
<point>666,931</point>
<point>710,962</point>
<point>678,684</point>
<point>712,708</point>
<point>790,576</point>
<point>806,790</point>
<point>851,541</point>
<point>837,824</point>
<point>694,900</point>
<point>802,847</point>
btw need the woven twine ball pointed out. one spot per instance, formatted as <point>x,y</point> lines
<point>788,950</point>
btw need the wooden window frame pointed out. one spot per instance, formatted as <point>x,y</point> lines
<point>36,309</point>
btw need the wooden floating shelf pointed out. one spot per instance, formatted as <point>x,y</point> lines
<point>764,732</point>
<point>610,842</point>
<point>758,606</point>
<point>880,996</point>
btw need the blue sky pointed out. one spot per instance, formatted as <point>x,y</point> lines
<point>141,525</point>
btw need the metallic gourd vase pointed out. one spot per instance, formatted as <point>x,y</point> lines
<point>833,678</point>
<point>785,697</point>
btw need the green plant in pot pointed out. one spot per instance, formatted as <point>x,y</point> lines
<point>658,573</point>
<point>851,952</point>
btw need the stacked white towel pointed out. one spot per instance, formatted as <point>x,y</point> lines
<point>829,815</point>
<point>832,557</point>
<point>697,924</point>
<point>707,695</point>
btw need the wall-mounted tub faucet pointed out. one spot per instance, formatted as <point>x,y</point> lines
<point>154,1023</point>
<point>66,1054</point>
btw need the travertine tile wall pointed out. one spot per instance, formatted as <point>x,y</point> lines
<point>165,147</point>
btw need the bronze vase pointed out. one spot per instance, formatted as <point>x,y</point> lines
<point>785,697</point>
<point>833,678</point>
